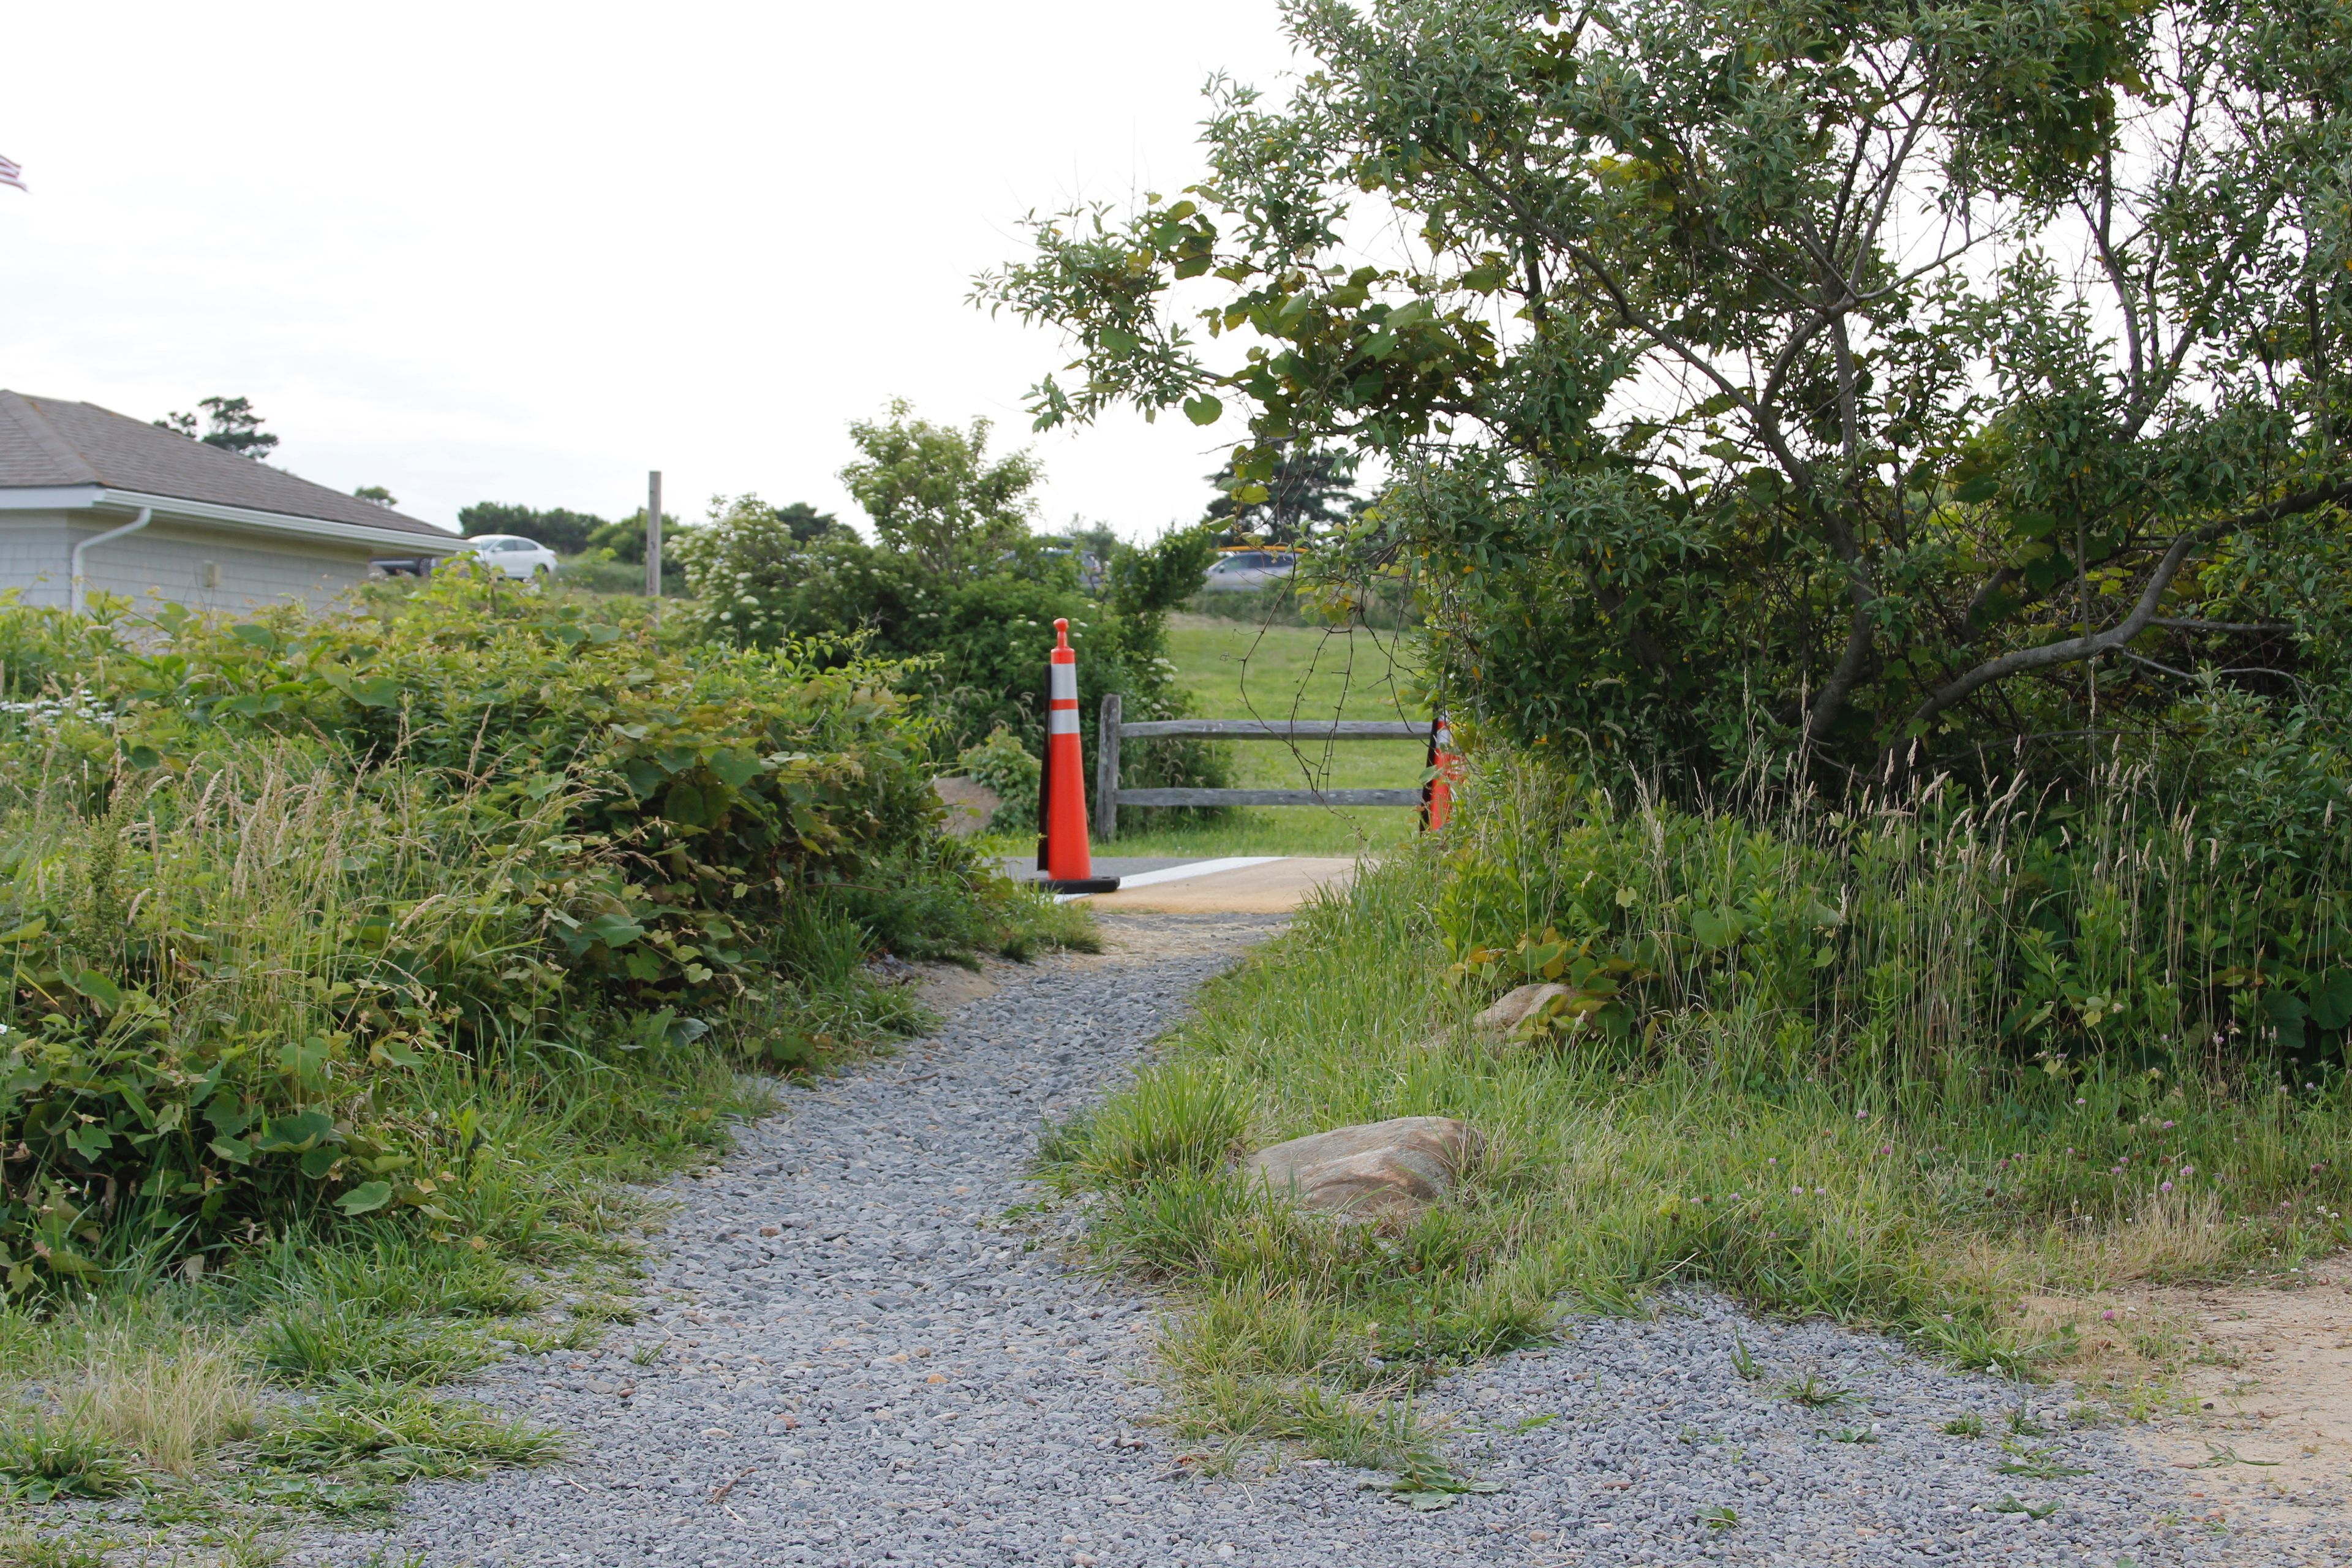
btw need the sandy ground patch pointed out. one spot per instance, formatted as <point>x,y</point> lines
<point>2259,1417</point>
<point>1273,888</point>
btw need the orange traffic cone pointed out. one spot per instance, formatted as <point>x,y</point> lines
<point>1061,851</point>
<point>1437,794</point>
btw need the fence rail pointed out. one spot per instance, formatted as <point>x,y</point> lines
<point>1109,797</point>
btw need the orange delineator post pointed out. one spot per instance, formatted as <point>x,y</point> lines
<point>1063,853</point>
<point>1437,794</point>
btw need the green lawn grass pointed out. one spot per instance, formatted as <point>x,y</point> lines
<point>1232,670</point>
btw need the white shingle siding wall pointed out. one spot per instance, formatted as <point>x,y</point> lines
<point>178,563</point>
<point>33,546</point>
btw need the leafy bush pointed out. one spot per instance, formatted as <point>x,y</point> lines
<point>1920,936</point>
<point>1003,765</point>
<point>262,883</point>
<point>973,646</point>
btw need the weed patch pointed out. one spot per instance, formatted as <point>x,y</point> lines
<point>396,1436</point>
<point>44,1457</point>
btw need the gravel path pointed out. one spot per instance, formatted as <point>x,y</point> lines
<point>863,1364</point>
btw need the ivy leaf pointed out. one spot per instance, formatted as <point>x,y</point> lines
<point>1203,409</point>
<point>366,1198</point>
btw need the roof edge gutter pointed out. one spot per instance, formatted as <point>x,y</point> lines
<point>401,541</point>
<point>77,600</point>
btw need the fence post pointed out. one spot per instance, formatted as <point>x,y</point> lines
<point>1107,769</point>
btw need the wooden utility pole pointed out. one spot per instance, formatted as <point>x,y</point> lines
<point>652,542</point>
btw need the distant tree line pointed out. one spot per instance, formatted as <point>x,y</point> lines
<point>571,532</point>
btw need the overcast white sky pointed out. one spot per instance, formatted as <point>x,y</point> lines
<point>526,252</point>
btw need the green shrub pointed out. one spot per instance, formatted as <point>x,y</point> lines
<point>1919,936</point>
<point>269,888</point>
<point>973,646</point>
<point>1002,764</point>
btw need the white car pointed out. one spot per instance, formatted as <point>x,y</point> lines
<point>1248,571</point>
<point>512,554</point>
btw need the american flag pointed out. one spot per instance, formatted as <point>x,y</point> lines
<point>12,173</point>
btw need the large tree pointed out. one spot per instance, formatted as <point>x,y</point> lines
<point>1893,379</point>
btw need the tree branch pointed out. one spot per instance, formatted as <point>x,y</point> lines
<point>2192,626</point>
<point>2143,613</point>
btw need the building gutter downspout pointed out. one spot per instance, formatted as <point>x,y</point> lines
<point>75,599</point>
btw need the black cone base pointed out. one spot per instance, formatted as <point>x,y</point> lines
<point>1084,885</point>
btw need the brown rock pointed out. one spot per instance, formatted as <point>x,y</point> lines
<point>1516,1009</point>
<point>1375,1171</point>
<point>969,802</point>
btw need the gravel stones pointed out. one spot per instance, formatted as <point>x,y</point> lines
<point>1379,1170</point>
<point>900,1374</point>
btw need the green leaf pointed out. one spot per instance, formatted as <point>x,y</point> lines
<point>27,931</point>
<point>304,1059</point>
<point>1973,491</point>
<point>366,1198</point>
<point>684,804</point>
<point>1203,409</point>
<point>298,1133</point>
<point>644,777</point>
<point>375,691</point>
<point>97,988</point>
<point>613,930</point>
<point>733,768</point>
<point>399,1053</point>
<point>2331,999</point>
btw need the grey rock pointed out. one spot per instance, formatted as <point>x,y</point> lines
<point>1518,1008</point>
<point>1376,1170</point>
<point>969,804</point>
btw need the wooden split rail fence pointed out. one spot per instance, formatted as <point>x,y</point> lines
<point>1109,797</point>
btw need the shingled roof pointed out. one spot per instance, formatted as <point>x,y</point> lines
<point>49,441</point>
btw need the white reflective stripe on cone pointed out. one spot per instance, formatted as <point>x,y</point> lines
<point>1062,721</point>
<point>1065,686</point>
